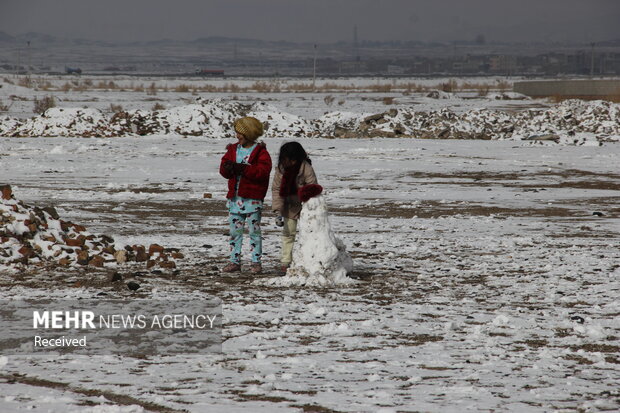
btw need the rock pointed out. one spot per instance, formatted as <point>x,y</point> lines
<point>150,264</point>
<point>120,256</point>
<point>64,225</point>
<point>26,252</point>
<point>155,248</point>
<point>106,239</point>
<point>82,258</point>
<point>140,251</point>
<point>168,264</point>
<point>133,286</point>
<point>7,192</point>
<point>96,261</point>
<point>74,242</point>
<point>373,118</point>
<point>116,277</point>
<point>598,213</point>
<point>578,319</point>
<point>548,137</point>
<point>177,255</point>
<point>207,195</point>
<point>52,212</point>
<point>64,262</point>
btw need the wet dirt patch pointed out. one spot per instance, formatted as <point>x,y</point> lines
<point>430,209</point>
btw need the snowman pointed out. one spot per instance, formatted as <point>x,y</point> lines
<point>319,257</point>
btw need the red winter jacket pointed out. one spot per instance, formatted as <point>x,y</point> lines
<point>254,181</point>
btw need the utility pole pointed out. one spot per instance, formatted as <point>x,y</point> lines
<point>314,70</point>
<point>28,61</point>
<point>592,60</point>
<point>19,52</point>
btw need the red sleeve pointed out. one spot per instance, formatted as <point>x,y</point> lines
<point>228,156</point>
<point>260,169</point>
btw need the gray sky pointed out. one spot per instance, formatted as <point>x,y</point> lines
<point>317,20</point>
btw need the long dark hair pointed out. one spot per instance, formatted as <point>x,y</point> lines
<point>293,151</point>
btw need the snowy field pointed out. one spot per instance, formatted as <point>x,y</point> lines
<point>487,270</point>
<point>487,283</point>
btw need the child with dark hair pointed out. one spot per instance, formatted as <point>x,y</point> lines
<point>247,166</point>
<point>293,172</point>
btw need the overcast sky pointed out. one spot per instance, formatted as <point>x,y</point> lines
<point>316,20</point>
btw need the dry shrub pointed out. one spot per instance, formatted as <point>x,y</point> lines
<point>66,87</point>
<point>329,99</point>
<point>138,88</point>
<point>151,90</point>
<point>299,87</point>
<point>449,86</point>
<point>3,107</point>
<point>8,81</point>
<point>388,100</point>
<point>115,108</point>
<point>504,85</point>
<point>209,88</point>
<point>380,88</point>
<point>44,85</point>
<point>46,102</point>
<point>341,102</point>
<point>483,90</point>
<point>182,88</point>
<point>158,106</point>
<point>25,82</point>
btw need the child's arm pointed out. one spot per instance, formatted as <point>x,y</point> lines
<point>277,203</point>
<point>260,169</point>
<point>309,175</point>
<point>226,165</point>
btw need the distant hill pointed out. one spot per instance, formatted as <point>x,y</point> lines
<point>35,37</point>
<point>6,38</point>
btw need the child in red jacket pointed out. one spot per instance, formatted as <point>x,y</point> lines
<point>247,166</point>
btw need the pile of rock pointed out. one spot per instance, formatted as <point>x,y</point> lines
<point>37,236</point>
<point>214,119</point>
<point>568,119</point>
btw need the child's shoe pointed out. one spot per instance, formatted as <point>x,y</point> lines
<point>232,267</point>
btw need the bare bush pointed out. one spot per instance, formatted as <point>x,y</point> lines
<point>484,90</point>
<point>151,90</point>
<point>450,86</point>
<point>158,106</point>
<point>46,102</point>
<point>3,107</point>
<point>115,108</point>
<point>329,99</point>
<point>504,85</point>
<point>388,100</point>
<point>182,88</point>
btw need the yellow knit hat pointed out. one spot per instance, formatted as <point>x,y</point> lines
<point>249,127</point>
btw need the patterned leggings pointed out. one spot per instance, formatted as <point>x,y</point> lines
<point>237,223</point>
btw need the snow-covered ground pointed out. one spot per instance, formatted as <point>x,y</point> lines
<point>487,281</point>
